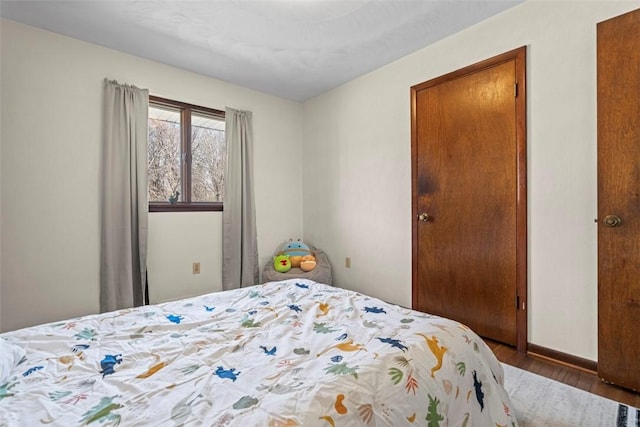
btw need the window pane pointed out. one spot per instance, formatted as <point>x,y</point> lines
<point>164,154</point>
<point>207,161</point>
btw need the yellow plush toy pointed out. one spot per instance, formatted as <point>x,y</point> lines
<point>307,263</point>
<point>295,260</point>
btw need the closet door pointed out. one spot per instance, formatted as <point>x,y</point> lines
<point>469,197</point>
<point>618,56</point>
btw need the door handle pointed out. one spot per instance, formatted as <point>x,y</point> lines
<point>612,220</point>
<point>424,217</point>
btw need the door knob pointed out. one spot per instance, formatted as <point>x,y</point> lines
<point>424,217</point>
<point>612,220</point>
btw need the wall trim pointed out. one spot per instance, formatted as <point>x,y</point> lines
<point>562,358</point>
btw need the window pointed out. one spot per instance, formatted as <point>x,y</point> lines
<point>186,157</point>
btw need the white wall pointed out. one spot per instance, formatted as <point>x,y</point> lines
<point>50,141</point>
<point>176,241</point>
<point>357,170</point>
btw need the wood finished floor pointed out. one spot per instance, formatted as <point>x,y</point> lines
<point>576,377</point>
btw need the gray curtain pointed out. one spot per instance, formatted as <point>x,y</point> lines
<point>124,205</point>
<point>240,242</point>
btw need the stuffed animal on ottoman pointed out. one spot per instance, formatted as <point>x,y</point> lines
<point>307,263</point>
<point>281,263</point>
<point>296,251</point>
<point>294,259</point>
<point>295,248</point>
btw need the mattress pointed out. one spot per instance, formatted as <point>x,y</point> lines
<point>289,353</point>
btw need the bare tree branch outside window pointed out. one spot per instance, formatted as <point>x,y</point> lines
<point>190,173</point>
<point>207,164</point>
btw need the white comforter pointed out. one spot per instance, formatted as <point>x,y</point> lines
<point>293,353</point>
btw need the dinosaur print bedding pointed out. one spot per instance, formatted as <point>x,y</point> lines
<point>290,353</point>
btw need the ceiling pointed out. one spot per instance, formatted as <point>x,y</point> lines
<point>294,49</point>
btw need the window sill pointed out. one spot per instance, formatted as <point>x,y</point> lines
<point>183,207</point>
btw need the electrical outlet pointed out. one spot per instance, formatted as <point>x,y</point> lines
<point>196,268</point>
<point>347,262</point>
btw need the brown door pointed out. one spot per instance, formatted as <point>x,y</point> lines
<point>469,197</point>
<point>619,200</point>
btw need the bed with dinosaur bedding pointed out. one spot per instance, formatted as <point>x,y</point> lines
<point>289,353</point>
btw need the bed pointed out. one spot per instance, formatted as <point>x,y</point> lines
<point>289,353</point>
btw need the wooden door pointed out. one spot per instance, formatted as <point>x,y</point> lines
<point>618,56</point>
<point>469,197</point>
